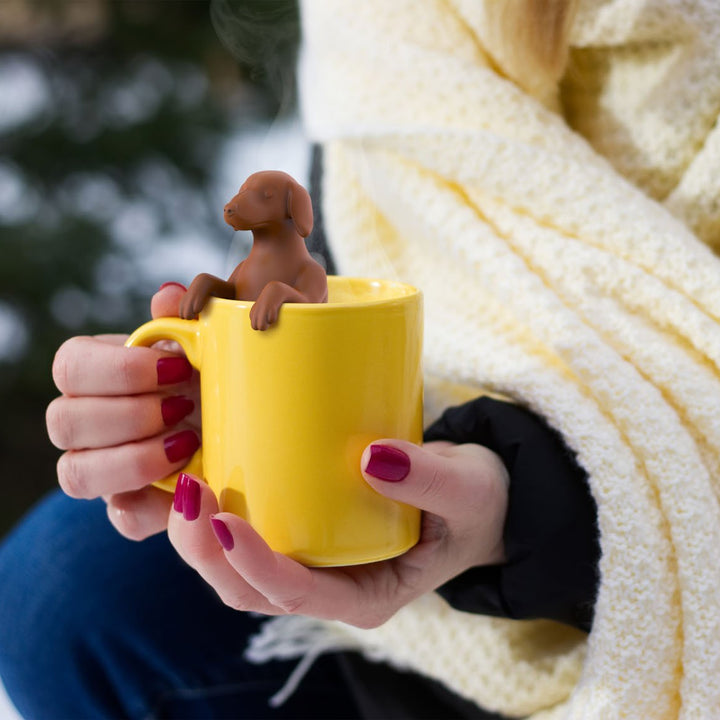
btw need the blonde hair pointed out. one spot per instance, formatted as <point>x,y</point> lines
<point>529,39</point>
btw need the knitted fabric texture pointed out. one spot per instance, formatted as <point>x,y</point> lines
<point>566,262</point>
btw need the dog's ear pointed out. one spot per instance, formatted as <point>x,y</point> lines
<point>299,208</point>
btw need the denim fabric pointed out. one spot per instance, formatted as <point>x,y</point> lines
<point>96,626</point>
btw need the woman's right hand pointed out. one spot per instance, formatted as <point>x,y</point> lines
<point>126,417</point>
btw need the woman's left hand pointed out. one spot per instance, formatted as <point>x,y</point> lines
<point>462,490</point>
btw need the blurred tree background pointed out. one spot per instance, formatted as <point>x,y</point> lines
<point>114,118</point>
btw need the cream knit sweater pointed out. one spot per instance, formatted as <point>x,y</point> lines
<point>565,263</point>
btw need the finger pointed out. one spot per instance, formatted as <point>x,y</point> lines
<point>79,423</point>
<point>450,482</point>
<point>87,366</point>
<point>364,596</point>
<point>140,513</point>
<point>166,301</point>
<point>191,533</point>
<point>462,488</point>
<point>106,471</point>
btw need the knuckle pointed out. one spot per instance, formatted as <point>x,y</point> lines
<point>136,466</point>
<point>124,368</point>
<point>62,367</point>
<point>290,605</point>
<point>490,489</point>
<point>71,477</point>
<point>197,550</point>
<point>435,485</point>
<point>135,514</point>
<point>203,553</point>
<point>242,602</point>
<point>126,523</point>
<point>59,421</point>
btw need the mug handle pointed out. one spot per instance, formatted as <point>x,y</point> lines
<point>187,334</point>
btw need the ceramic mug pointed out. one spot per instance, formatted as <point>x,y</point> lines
<point>287,412</point>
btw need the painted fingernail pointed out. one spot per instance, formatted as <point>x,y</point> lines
<point>169,284</point>
<point>192,496</point>
<point>173,370</point>
<point>387,463</point>
<point>222,533</point>
<point>175,408</point>
<point>179,493</point>
<point>181,445</point>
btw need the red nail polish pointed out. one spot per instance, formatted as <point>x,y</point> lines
<point>181,445</point>
<point>168,284</point>
<point>222,533</point>
<point>192,497</point>
<point>173,370</point>
<point>387,463</point>
<point>175,408</point>
<point>179,493</point>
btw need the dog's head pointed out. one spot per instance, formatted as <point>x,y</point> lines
<point>269,198</point>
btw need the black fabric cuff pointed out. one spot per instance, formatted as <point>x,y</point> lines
<point>551,536</point>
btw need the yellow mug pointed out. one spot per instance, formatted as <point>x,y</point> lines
<point>287,412</point>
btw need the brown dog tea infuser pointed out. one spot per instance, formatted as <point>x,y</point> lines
<point>279,268</point>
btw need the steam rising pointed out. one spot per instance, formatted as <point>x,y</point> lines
<point>263,35</point>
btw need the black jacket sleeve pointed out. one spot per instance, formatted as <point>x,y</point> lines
<point>551,537</point>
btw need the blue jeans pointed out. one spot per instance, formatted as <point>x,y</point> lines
<point>96,626</point>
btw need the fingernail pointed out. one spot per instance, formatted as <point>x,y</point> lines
<point>179,493</point>
<point>222,533</point>
<point>191,498</point>
<point>387,463</point>
<point>168,284</point>
<point>175,408</point>
<point>181,445</point>
<point>173,370</point>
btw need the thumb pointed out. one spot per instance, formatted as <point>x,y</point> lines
<point>166,301</point>
<point>451,481</point>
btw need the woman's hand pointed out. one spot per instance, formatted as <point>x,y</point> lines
<point>462,490</point>
<point>127,417</point>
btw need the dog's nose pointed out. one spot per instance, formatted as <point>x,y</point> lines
<point>228,210</point>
